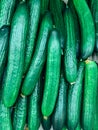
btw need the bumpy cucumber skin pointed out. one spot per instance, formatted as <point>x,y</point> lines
<point>94,10</point>
<point>44,6</point>
<point>89,96</point>
<point>5,116</point>
<point>59,114</point>
<point>19,114</point>
<point>16,55</point>
<point>70,61</point>
<point>87,28</point>
<point>34,113</point>
<point>39,56</point>
<point>74,99</point>
<point>52,74</point>
<point>4,38</point>
<point>34,15</point>
<point>46,123</point>
<point>6,11</point>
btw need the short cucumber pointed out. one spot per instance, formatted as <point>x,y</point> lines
<point>34,113</point>
<point>90,93</point>
<point>19,113</point>
<point>52,74</point>
<point>46,123</point>
<point>16,55</point>
<point>94,10</point>
<point>44,6</point>
<point>74,99</point>
<point>70,61</point>
<point>4,38</point>
<point>59,114</point>
<point>6,11</point>
<point>39,56</point>
<point>5,116</point>
<point>34,14</point>
<point>87,28</point>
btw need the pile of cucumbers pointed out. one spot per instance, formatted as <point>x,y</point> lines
<point>49,64</point>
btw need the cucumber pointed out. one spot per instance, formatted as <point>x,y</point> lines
<point>20,112</point>
<point>94,11</point>
<point>34,113</point>
<point>56,10</point>
<point>59,114</point>
<point>4,38</point>
<point>44,6</point>
<point>90,93</point>
<point>52,74</point>
<point>16,55</point>
<point>70,61</point>
<point>74,99</point>
<point>78,127</point>
<point>39,56</point>
<point>87,28</point>
<point>34,15</point>
<point>6,11</point>
<point>5,116</point>
<point>46,123</point>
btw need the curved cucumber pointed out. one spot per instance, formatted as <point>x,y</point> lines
<point>87,28</point>
<point>16,55</point>
<point>4,38</point>
<point>5,116</point>
<point>70,61</point>
<point>46,123</point>
<point>59,114</point>
<point>6,11</point>
<point>34,113</point>
<point>52,74</point>
<point>20,112</point>
<point>34,14</point>
<point>74,99</point>
<point>39,56</point>
<point>90,93</point>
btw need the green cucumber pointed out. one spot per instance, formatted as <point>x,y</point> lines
<point>34,15</point>
<point>52,74</point>
<point>78,127</point>
<point>34,113</point>
<point>90,94</point>
<point>46,123</point>
<point>20,112</point>
<point>74,99</point>
<point>6,11</point>
<point>59,114</point>
<point>87,28</point>
<point>44,6</point>
<point>56,10</point>
<point>4,38</point>
<point>16,55</point>
<point>70,61</point>
<point>94,11</point>
<point>5,116</point>
<point>39,56</point>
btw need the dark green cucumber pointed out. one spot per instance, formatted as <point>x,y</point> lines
<point>70,61</point>
<point>16,55</point>
<point>74,99</point>
<point>56,10</point>
<point>90,94</point>
<point>59,114</point>
<point>5,116</point>
<point>44,6</point>
<point>34,14</point>
<point>94,11</point>
<point>6,11</point>
<point>20,112</point>
<point>87,28</point>
<point>4,38</point>
<point>52,74</point>
<point>34,113</point>
<point>46,123</point>
<point>39,56</point>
